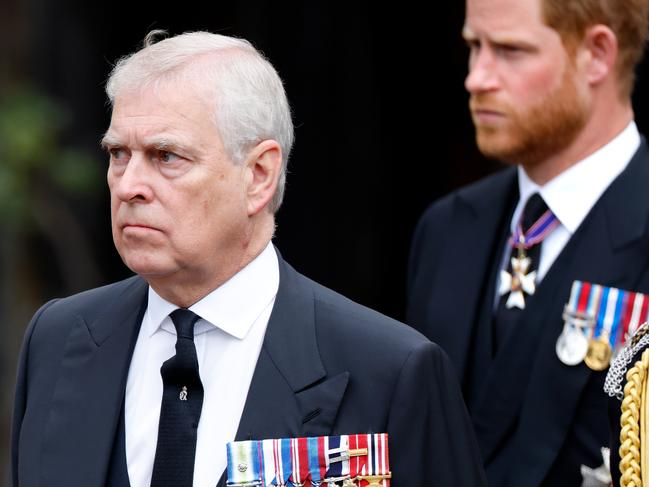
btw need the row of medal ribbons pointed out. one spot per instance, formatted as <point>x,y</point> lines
<point>598,321</point>
<point>346,460</point>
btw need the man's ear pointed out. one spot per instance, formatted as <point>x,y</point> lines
<point>263,164</point>
<point>598,53</point>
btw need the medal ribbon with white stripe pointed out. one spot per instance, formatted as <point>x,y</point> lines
<point>594,300</point>
<point>243,462</point>
<point>378,463</point>
<point>610,314</point>
<point>357,462</point>
<point>584,304</point>
<point>575,291</point>
<point>282,461</point>
<point>637,307</point>
<point>317,465</point>
<point>361,460</point>
<point>579,319</point>
<point>338,457</point>
<point>300,461</point>
<point>268,462</point>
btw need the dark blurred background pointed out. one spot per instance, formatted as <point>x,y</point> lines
<point>382,129</point>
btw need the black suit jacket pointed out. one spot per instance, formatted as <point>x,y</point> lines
<point>536,419</point>
<point>327,366</point>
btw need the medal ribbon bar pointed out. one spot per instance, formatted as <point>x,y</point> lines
<point>300,460</point>
<point>607,316</point>
<point>244,460</point>
<point>347,460</point>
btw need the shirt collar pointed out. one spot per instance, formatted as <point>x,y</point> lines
<point>573,193</point>
<point>233,307</point>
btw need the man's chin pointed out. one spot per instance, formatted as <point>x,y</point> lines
<point>494,146</point>
<point>147,268</point>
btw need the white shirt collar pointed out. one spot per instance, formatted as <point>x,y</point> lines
<point>573,193</point>
<point>232,307</point>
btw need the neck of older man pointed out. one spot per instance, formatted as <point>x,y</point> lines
<point>609,116</point>
<point>183,289</point>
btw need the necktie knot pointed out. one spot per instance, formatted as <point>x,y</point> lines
<point>534,209</point>
<point>184,321</point>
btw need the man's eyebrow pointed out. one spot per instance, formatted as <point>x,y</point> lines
<point>164,143</point>
<point>157,142</point>
<point>109,140</point>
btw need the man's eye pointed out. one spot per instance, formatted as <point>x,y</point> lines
<point>507,50</point>
<point>117,153</point>
<point>167,157</point>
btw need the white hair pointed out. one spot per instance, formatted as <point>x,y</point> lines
<point>250,103</point>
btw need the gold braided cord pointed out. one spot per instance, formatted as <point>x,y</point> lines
<point>644,403</point>
<point>630,423</point>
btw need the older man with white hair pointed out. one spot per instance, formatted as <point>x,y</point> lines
<point>144,382</point>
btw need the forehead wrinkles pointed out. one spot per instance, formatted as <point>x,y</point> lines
<point>173,113</point>
<point>134,130</point>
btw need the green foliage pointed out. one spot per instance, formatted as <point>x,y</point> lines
<point>33,161</point>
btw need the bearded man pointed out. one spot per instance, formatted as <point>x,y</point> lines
<point>494,264</point>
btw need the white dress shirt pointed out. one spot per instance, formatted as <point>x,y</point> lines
<point>228,340</point>
<point>573,193</point>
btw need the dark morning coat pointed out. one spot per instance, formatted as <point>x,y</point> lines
<point>327,366</point>
<point>536,419</point>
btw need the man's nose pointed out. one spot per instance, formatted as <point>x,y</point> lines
<point>134,184</point>
<point>482,74</point>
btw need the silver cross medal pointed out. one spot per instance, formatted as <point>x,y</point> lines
<point>519,282</point>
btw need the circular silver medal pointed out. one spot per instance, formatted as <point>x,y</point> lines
<point>572,346</point>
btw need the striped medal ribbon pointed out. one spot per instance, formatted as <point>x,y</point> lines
<point>337,454</point>
<point>300,461</point>
<point>357,458</point>
<point>244,463</point>
<point>268,462</point>
<point>636,314</point>
<point>376,472</point>
<point>281,461</point>
<point>579,320</point>
<point>604,338</point>
<point>317,459</point>
<point>360,460</point>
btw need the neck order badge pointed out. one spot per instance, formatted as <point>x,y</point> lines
<point>522,280</point>
<point>598,321</point>
<point>346,460</point>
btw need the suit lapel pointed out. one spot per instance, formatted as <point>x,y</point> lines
<point>608,248</point>
<point>87,398</point>
<point>472,244</point>
<point>290,394</point>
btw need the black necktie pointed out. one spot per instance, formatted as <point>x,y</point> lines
<point>182,400</point>
<point>505,317</point>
